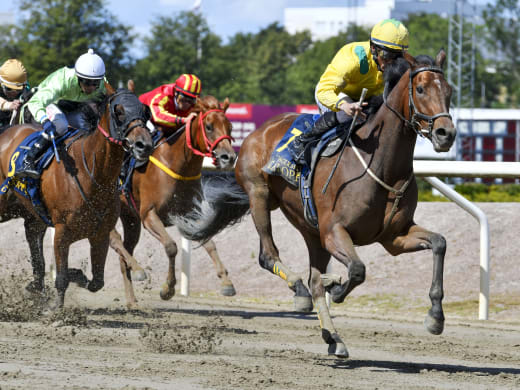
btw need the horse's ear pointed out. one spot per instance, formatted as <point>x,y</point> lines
<point>108,87</point>
<point>130,85</point>
<point>441,57</point>
<point>225,105</point>
<point>411,59</point>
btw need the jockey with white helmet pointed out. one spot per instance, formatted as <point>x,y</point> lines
<point>84,82</point>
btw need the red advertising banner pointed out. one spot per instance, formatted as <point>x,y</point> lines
<point>246,117</point>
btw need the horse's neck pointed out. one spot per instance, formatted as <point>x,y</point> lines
<point>393,144</point>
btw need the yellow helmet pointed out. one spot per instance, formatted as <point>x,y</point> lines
<point>390,33</point>
<point>13,74</point>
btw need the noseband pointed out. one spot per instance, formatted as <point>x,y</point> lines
<point>417,116</point>
<point>208,145</point>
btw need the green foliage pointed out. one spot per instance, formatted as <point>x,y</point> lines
<point>53,33</point>
<point>503,40</point>
<point>476,192</point>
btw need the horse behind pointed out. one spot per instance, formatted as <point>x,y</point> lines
<point>80,193</point>
<point>170,184</point>
<point>371,197</point>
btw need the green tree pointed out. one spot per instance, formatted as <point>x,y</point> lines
<point>503,39</point>
<point>180,44</point>
<point>53,33</point>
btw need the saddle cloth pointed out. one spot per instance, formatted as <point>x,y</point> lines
<point>26,186</point>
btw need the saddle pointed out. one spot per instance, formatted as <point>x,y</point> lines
<point>301,173</point>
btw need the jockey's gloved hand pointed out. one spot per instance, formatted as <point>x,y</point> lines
<point>48,127</point>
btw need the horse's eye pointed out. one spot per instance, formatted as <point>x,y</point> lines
<point>419,89</point>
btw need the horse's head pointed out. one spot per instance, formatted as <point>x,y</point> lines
<point>213,131</point>
<point>429,97</point>
<point>127,123</point>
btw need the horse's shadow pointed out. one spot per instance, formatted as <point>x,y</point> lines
<point>416,368</point>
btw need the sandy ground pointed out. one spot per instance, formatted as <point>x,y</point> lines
<point>254,340</point>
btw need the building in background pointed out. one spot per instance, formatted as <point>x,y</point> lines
<point>326,22</point>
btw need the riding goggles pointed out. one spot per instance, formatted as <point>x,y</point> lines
<point>90,82</point>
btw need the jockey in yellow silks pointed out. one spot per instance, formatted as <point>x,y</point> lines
<point>355,66</point>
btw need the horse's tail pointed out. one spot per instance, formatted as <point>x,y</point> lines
<point>223,203</point>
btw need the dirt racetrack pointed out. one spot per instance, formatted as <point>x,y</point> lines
<point>254,340</point>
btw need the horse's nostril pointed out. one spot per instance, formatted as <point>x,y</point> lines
<point>139,145</point>
<point>224,157</point>
<point>440,132</point>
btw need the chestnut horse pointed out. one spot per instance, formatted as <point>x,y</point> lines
<point>371,197</point>
<point>165,189</point>
<point>80,192</point>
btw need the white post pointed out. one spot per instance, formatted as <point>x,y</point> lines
<point>185,266</point>
<point>444,189</point>
<point>52,264</point>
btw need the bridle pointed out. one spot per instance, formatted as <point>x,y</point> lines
<point>416,116</point>
<point>209,146</point>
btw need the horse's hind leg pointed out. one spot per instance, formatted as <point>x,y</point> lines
<point>339,244</point>
<point>34,232</point>
<point>417,238</point>
<point>153,224</point>
<point>319,258</point>
<point>226,288</point>
<point>269,256</point>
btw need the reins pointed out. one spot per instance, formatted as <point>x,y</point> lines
<point>208,146</point>
<point>415,125</point>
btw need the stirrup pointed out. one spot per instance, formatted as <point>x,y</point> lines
<point>27,170</point>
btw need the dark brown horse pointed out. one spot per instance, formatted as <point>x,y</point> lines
<point>80,193</point>
<point>166,188</point>
<point>371,198</point>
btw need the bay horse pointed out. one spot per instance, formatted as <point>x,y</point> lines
<point>80,192</point>
<point>371,197</point>
<point>167,187</point>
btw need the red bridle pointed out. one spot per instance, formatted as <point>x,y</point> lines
<point>209,146</point>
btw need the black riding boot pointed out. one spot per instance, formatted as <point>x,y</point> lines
<point>28,169</point>
<point>324,123</point>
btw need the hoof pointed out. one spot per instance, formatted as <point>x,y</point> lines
<point>336,346</point>
<point>139,276</point>
<point>303,304</point>
<point>228,290</point>
<point>433,325</point>
<point>339,350</point>
<point>34,287</point>
<point>336,293</point>
<point>167,293</point>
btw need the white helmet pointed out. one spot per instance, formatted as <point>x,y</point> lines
<point>90,66</point>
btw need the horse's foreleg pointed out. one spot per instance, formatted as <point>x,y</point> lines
<point>269,256</point>
<point>226,288</point>
<point>34,232</point>
<point>319,258</point>
<point>98,256</point>
<point>61,257</point>
<point>153,224</point>
<point>339,244</point>
<point>417,238</point>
